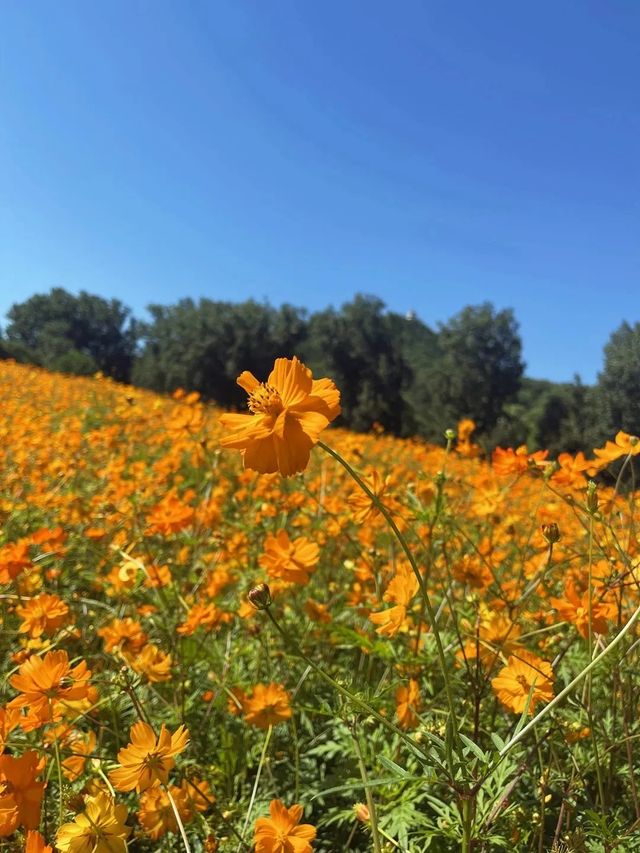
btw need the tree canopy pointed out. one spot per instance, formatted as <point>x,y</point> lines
<point>392,369</point>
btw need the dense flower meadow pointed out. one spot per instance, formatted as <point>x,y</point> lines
<point>256,631</point>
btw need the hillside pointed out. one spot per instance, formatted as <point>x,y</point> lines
<point>129,540</point>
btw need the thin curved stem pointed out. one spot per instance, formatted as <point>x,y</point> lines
<point>414,566</point>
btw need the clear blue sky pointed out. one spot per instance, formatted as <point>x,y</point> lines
<point>435,154</point>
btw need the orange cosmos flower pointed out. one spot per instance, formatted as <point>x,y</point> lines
<point>522,675</point>
<point>170,516</point>
<point>36,844</point>
<point>510,461</point>
<point>43,614</point>
<point>289,411</point>
<point>147,758</point>
<point>14,558</point>
<point>282,832</point>
<point>123,635</point>
<point>268,705</point>
<point>575,609</point>
<point>100,828</point>
<point>361,504</point>
<point>287,560</point>
<point>624,445</point>
<point>156,814</point>
<point>81,745</point>
<point>153,663</point>
<point>9,720</point>
<point>401,589</point>
<point>47,683</point>
<point>20,794</point>
<point>202,615</point>
<point>408,704</point>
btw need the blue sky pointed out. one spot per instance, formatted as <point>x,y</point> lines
<point>435,154</point>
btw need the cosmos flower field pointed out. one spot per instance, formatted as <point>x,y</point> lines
<point>366,644</point>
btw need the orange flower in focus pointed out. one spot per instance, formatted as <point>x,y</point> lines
<point>408,704</point>
<point>148,758</point>
<point>574,608</point>
<point>287,560</point>
<point>282,832</point>
<point>20,794</point>
<point>36,843</point>
<point>43,614</point>
<point>101,828</point>
<point>46,684</point>
<point>289,411</point>
<point>523,675</point>
<point>267,706</point>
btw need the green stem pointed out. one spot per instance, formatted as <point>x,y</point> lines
<point>367,792</point>
<point>185,840</point>
<point>467,824</point>
<point>421,583</point>
<point>257,781</point>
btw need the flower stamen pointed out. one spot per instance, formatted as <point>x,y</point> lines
<point>265,399</point>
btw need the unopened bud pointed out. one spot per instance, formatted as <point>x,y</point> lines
<point>260,596</point>
<point>592,497</point>
<point>449,434</point>
<point>551,532</point>
<point>361,812</point>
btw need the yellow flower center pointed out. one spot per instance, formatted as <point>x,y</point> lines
<point>265,400</point>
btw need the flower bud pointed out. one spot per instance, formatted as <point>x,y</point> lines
<point>551,532</point>
<point>449,434</point>
<point>260,596</point>
<point>361,812</point>
<point>592,497</point>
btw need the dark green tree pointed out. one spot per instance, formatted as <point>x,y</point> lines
<point>205,345</point>
<point>618,388</point>
<point>476,372</point>
<point>76,334</point>
<point>364,349</point>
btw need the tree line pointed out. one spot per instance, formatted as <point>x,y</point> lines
<point>392,369</point>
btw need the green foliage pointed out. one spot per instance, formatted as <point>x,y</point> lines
<point>204,346</point>
<point>619,382</point>
<point>392,370</point>
<point>477,371</point>
<point>74,334</point>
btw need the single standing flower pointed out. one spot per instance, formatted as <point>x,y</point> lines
<point>147,758</point>
<point>282,832</point>
<point>268,705</point>
<point>524,674</point>
<point>99,829</point>
<point>289,411</point>
<point>287,560</point>
<point>46,684</point>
